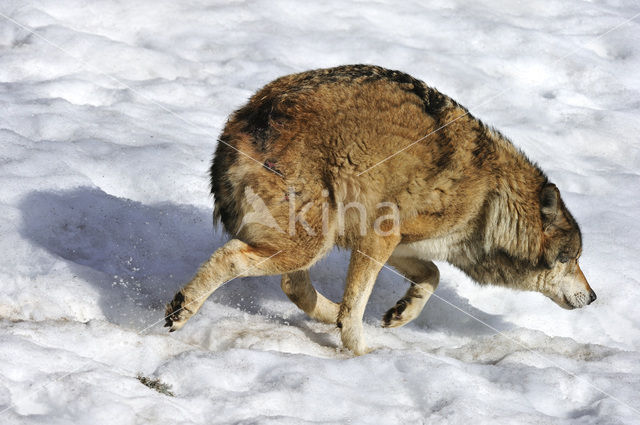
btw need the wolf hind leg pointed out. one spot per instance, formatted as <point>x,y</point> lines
<point>298,288</point>
<point>234,259</point>
<point>424,277</point>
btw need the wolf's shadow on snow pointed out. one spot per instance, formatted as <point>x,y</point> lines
<point>137,256</point>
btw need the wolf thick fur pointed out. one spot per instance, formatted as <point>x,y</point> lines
<point>313,142</point>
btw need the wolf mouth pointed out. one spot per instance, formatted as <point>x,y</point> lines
<point>570,306</point>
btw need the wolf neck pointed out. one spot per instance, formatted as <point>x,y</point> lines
<point>512,220</point>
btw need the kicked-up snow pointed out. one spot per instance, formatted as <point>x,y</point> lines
<point>109,114</point>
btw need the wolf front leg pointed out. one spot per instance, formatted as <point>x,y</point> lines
<point>424,277</point>
<point>367,258</point>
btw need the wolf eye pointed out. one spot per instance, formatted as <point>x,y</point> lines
<point>563,257</point>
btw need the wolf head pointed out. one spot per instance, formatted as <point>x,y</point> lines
<point>550,266</point>
<point>561,278</point>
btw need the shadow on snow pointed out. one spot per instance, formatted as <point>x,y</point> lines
<point>138,255</point>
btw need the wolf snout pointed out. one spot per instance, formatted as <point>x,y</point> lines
<point>581,299</point>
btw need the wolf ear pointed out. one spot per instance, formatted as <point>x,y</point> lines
<point>549,204</point>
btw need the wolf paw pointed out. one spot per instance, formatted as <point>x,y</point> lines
<point>394,317</point>
<point>177,313</point>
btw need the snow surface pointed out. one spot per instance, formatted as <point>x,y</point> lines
<point>109,116</point>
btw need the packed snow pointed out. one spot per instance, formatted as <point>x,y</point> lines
<point>109,116</point>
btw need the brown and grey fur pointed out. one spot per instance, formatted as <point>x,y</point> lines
<point>465,195</point>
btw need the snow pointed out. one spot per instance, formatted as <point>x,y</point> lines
<point>110,113</point>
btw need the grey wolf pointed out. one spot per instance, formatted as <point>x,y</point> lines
<point>322,150</point>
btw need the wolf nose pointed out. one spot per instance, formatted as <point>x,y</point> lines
<point>592,297</point>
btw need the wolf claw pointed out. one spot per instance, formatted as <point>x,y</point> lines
<point>177,313</point>
<point>393,317</point>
